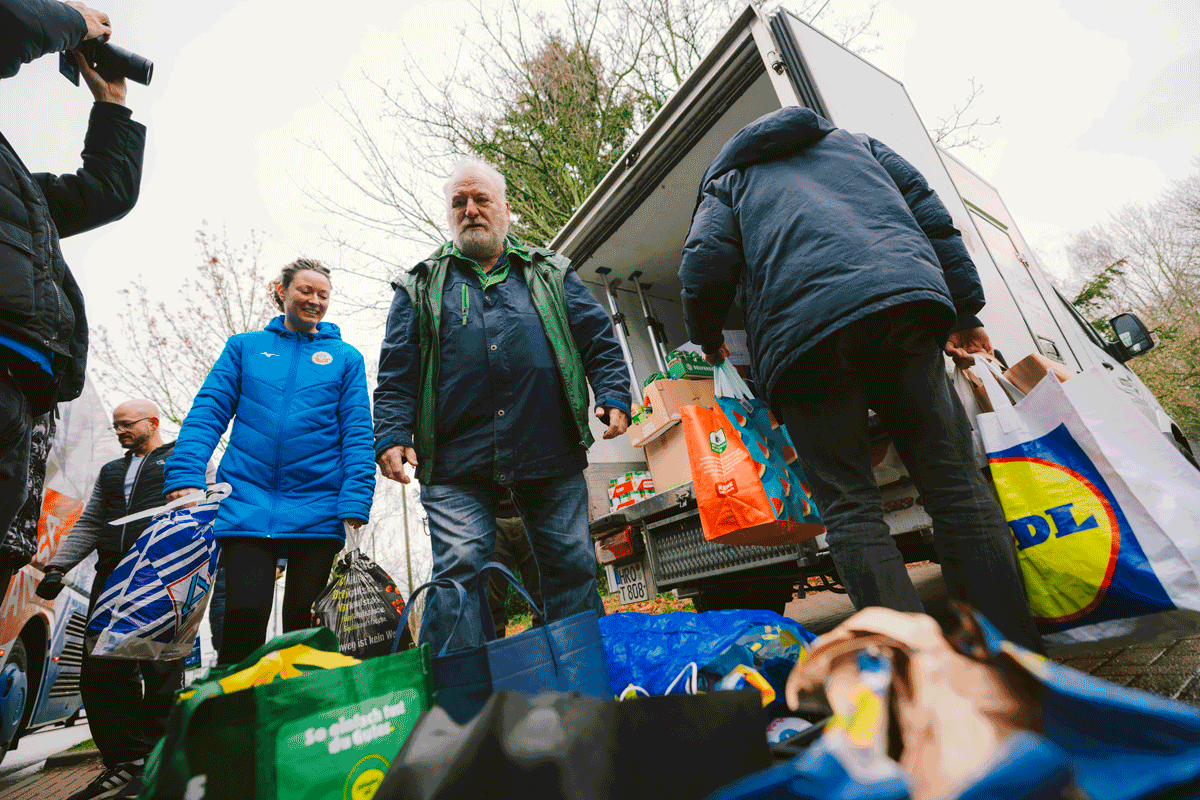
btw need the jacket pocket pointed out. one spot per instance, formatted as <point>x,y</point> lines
<point>18,298</point>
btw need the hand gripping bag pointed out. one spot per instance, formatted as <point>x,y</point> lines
<point>1103,508</point>
<point>749,484</point>
<point>154,601</point>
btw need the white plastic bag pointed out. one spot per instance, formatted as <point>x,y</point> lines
<point>154,600</point>
<point>1105,511</point>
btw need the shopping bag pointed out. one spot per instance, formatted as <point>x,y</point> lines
<point>974,716</point>
<point>565,655</point>
<point>460,677</point>
<point>153,602</point>
<point>750,487</point>
<point>362,606</point>
<point>680,747</point>
<point>649,650</point>
<point>295,719</point>
<point>1103,508</point>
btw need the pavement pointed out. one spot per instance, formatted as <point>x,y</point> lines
<point>1170,669</point>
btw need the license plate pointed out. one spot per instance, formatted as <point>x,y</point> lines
<point>631,583</point>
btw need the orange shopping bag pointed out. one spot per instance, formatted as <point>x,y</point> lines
<point>734,507</point>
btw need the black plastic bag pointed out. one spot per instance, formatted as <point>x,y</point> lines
<point>362,606</point>
<point>565,747</point>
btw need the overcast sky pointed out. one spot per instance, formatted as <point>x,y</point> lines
<point>1099,105</point>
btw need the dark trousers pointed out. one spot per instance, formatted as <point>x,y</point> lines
<point>249,565</point>
<point>891,363</point>
<point>16,425</point>
<point>513,551</point>
<point>127,702</point>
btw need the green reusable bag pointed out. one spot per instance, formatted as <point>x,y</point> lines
<point>322,731</point>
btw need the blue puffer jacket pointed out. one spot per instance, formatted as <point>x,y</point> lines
<point>814,228</point>
<point>300,458</point>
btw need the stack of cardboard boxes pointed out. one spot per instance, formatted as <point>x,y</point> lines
<point>657,431</point>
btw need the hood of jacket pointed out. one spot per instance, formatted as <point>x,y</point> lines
<point>325,330</point>
<point>769,137</point>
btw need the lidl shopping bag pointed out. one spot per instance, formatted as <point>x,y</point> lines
<point>362,606</point>
<point>154,601</point>
<point>295,719</point>
<point>1104,510</point>
<point>749,485</point>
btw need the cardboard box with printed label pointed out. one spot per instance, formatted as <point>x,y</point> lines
<point>664,399</point>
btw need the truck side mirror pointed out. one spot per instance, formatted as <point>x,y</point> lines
<point>1133,337</point>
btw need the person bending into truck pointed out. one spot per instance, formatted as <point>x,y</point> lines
<point>43,331</point>
<point>299,459</point>
<point>854,281</point>
<point>127,701</point>
<point>483,387</point>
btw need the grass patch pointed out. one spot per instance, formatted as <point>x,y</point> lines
<point>90,744</point>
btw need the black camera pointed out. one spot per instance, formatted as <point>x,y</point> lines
<point>110,61</point>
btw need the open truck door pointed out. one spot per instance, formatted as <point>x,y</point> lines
<point>626,238</point>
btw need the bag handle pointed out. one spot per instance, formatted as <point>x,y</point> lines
<point>989,375</point>
<point>728,383</point>
<point>205,502</point>
<point>485,613</point>
<point>440,583</point>
<point>174,778</point>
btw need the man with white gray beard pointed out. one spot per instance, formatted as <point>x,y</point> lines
<point>483,387</point>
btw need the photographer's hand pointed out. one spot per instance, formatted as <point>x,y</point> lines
<point>98,24</point>
<point>105,91</point>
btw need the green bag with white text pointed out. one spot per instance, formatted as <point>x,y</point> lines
<point>296,720</point>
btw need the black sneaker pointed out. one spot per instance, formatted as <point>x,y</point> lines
<point>112,783</point>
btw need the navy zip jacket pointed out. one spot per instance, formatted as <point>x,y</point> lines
<point>502,413</point>
<point>814,228</point>
<point>299,458</point>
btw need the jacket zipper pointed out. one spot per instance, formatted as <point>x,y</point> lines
<point>287,403</point>
<point>466,304</point>
<point>128,500</point>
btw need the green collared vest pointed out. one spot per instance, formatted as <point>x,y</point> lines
<point>544,272</point>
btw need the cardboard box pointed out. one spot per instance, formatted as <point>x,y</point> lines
<point>686,364</point>
<point>1029,371</point>
<point>667,457</point>
<point>664,399</point>
<point>1025,375</point>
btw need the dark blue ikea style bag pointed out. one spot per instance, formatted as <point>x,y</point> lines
<point>565,655</point>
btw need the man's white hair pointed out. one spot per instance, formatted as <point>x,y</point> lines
<point>476,165</point>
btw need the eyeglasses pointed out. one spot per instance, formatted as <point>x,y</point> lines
<point>124,426</point>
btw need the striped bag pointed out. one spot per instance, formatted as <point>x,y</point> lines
<point>153,602</point>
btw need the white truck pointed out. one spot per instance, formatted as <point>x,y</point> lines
<point>625,241</point>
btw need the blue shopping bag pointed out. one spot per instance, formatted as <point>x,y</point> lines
<point>154,601</point>
<point>650,650</point>
<point>566,655</point>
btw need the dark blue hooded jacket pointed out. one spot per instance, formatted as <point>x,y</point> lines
<point>813,228</point>
<point>299,458</point>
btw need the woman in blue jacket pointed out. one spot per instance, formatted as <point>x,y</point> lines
<point>300,457</point>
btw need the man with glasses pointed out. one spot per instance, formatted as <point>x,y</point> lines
<point>127,702</point>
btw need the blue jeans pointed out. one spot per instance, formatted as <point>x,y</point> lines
<point>890,362</point>
<point>462,527</point>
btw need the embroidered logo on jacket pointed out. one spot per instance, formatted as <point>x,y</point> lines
<point>321,357</point>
